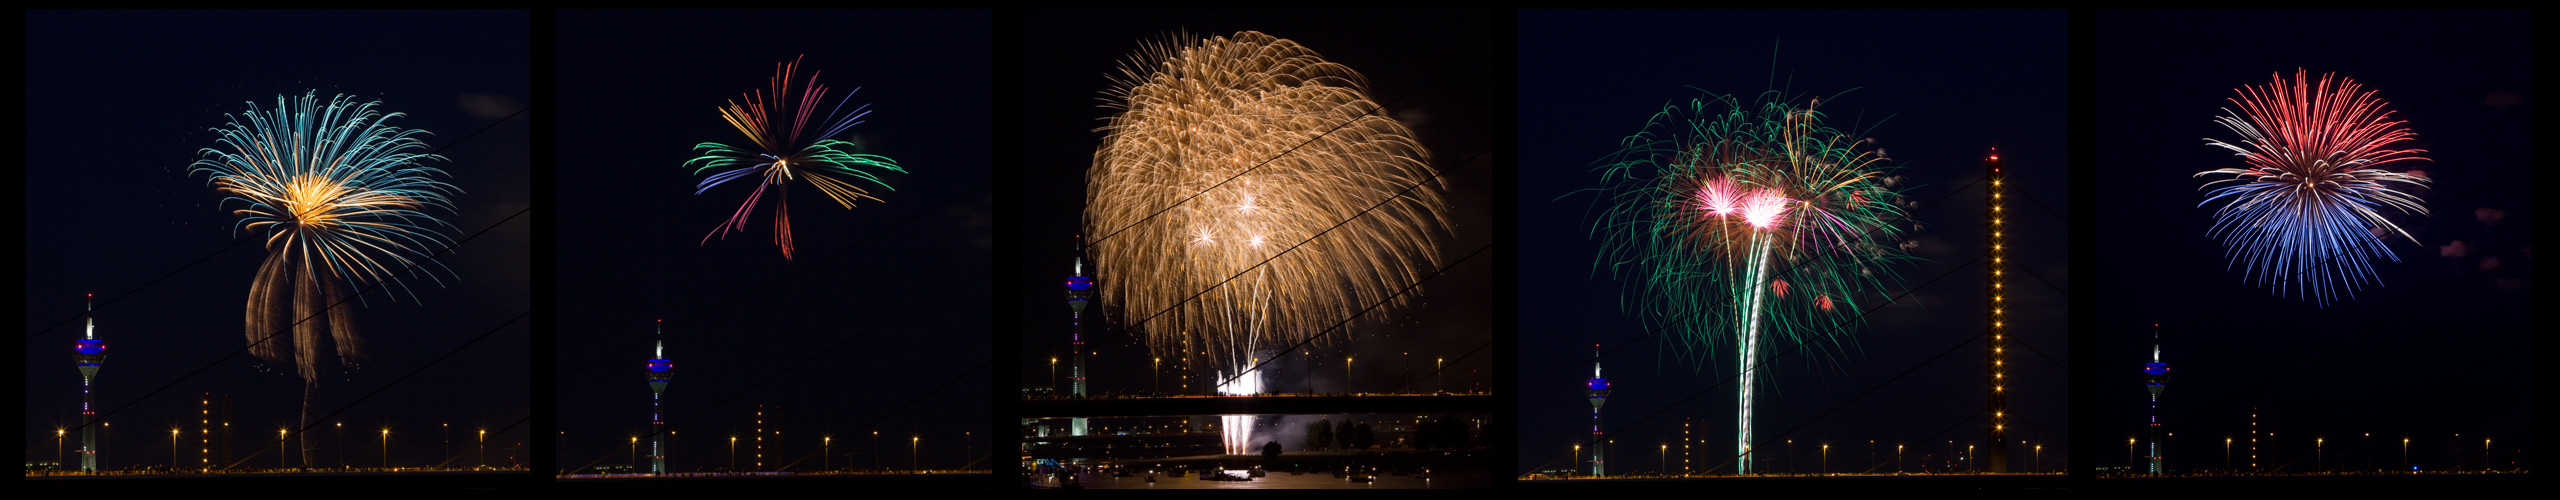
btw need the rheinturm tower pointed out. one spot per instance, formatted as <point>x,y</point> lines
<point>1598,390</point>
<point>88,353</point>
<point>1079,293</point>
<point>2155,376</point>
<point>660,370</point>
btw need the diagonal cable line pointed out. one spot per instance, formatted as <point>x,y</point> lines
<point>1276,256</point>
<point>306,427</point>
<point>1434,371</point>
<point>324,310</point>
<point>1337,325</point>
<point>2066,370</point>
<point>1650,331</point>
<point>234,244</point>
<point>609,355</point>
<point>1311,140</point>
<point>1798,347</point>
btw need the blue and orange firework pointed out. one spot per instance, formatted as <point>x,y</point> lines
<point>787,148</point>
<point>343,199</point>
<point>2301,215</point>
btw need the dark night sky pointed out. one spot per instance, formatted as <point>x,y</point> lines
<point>2380,362</point>
<point>143,88</point>
<point>1067,60</point>
<point>637,91</point>
<point>1955,85</point>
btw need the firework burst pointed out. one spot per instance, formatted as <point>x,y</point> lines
<point>785,148</point>
<point>342,199</point>
<point>1193,113</point>
<point>1728,222</point>
<point>2301,216</point>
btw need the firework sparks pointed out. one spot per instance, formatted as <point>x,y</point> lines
<point>1193,113</point>
<point>2301,216</point>
<point>342,199</point>
<point>787,148</point>
<point>1704,208</point>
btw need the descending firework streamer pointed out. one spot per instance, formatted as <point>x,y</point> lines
<point>1730,221</point>
<point>786,147</point>
<point>343,199</point>
<point>2301,215</point>
<point>1278,145</point>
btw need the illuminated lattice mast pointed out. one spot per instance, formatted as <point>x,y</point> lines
<point>660,370</point>
<point>2155,376</point>
<point>1079,293</point>
<point>1998,444</point>
<point>88,353</point>
<point>1598,390</point>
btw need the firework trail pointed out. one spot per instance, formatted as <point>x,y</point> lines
<point>1704,212</point>
<point>1195,112</point>
<point>787,148</point>
<point>2301,216</point>
<point>342,199</point>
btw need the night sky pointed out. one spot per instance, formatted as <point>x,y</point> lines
<point>2436,350</point>
<point>636,91</point>
<point>1954,85</point>
<point>1441,59</point>
<point>143,89</point>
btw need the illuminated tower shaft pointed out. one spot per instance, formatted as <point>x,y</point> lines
<point>660,370</point>
<point>1598,390</point>
<point>1998,444</point>
<point>1079,293</point>
<point>1752,309</point>
<point>88,353</point>
<point>2155,376</point>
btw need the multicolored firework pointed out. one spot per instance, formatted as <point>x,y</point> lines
<point>787,148</point>
<point>2302,214</point>
<point>1278,145</point>
<point>342,199</point>
<point>1729,221</point>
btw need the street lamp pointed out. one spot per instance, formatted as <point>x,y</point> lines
<point>635,453</point>
<point>1665,457</point>
<point>2404,453</point>
<point>2128,455</point>
<point>2319,448</point>
<point>484,448</point>
<point>2039,458</point>
<point>875,451</point>
<point>968,448</point>
<point>1577,460</point>
<point>830,452</point>
<point>342,444</point>
<point>1346,376</point>
<point>733,453</point>
<point>1157,376</point>
<point>1791,457</point>
<point>448,439</point>
<point>1826,457</point>
<point>2226,455</point>
<point>280,444</point>
<point>1053,376</point>
<point>2484,455</point>
<point>1897,459</point>
<point>57,449</point>
<point>386,448</point>
<point>915,458</point>
<point>173,450</point>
